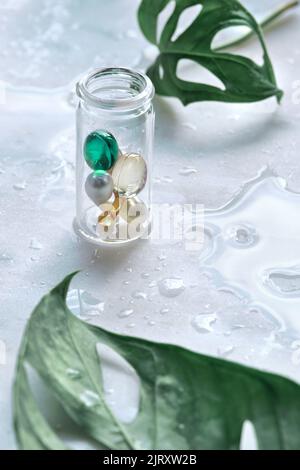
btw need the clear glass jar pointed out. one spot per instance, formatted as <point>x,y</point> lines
<point>115,131</point>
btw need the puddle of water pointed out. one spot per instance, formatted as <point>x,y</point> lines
<point>283,282</point>
<point>254,244</point>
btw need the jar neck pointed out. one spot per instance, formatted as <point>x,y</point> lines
<point>117,90</point>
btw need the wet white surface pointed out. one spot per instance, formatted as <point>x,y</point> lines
<point>240,299</point>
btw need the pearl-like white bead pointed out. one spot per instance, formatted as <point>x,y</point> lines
<point>99,187</point>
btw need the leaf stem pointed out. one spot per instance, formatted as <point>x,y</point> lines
<point>268,20</point>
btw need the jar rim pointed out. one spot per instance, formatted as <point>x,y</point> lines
<point>144,92</point>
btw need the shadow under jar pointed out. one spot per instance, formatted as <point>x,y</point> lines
<point>115,131</point>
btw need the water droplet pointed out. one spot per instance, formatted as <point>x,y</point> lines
<point>162,257</point>
<point>171,287</point>
<point>84,304</point>
<point>151,323</point>
<point>89,398</point>
<point>145,275</point>
<point>131,325</point>
<point>128,270</point>
<point>164,311</point>
<point>91,305</point>
<point>139,295</point>
<point>166,179</point>
<point>285,283</point>
<point>35,244</point>
<point>241,236</point>
<point>188,171</point>
<point>295,344</point>
<point>73,374</point>
<point>225,352</point>
<point>228,333</point>
<point>20,186</point>
<point>190,125</point>
<point>240,327</point>
<point>152,284</point>
<point>126,313</point>
<point>97,253</point>
<point>203,323</point>
<point>5,257</point>
<point>126,283</point>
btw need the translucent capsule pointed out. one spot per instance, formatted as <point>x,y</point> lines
<point>129,174</point>
<point>110,212</point>
<point>133,208</point>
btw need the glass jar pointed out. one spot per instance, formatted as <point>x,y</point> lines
<point>115,131</point>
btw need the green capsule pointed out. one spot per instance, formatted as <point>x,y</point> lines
<point>101,150</point>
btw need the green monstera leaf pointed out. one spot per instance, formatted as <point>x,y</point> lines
<point>243,80</point>
<point>187,400</point>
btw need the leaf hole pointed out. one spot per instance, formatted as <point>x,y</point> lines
<point>164,17</point>
<point>186,19</point>
<point>248,437</point>
<point>121,384</point>
<point>191,71</point>
<point>252,49</point>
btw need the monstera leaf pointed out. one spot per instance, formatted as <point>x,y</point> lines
<point>243,80</point>
<point>187,400</point>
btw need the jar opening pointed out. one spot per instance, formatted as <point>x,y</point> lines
<point>116,88</point>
